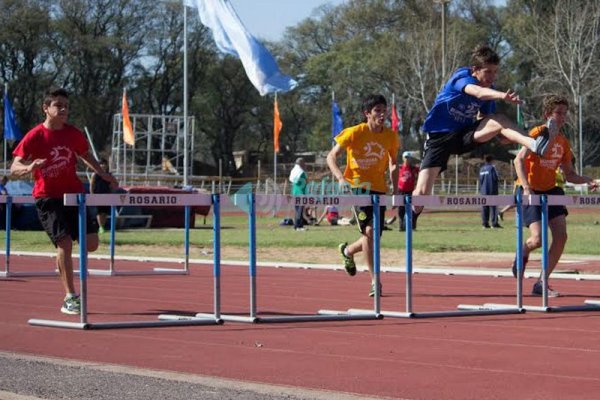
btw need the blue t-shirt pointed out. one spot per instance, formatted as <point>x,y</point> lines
<point>454,110</point>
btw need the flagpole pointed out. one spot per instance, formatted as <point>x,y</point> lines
<point>185,98</point>
<point>275,164</point>
<point>4,131</point>
<point>124,144</point>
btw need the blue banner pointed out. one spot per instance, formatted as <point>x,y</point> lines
<point>337,124</point>
<point>11,129</point>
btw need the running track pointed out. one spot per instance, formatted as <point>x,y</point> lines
<point>527,356</point>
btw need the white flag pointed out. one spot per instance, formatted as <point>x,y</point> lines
<point>232,38</point>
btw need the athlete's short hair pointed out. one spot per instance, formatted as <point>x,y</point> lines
<point>482,55</point>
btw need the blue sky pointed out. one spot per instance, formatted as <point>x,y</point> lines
<point>267,19</point>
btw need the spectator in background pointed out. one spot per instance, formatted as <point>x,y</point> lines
<point>3,183</point>
<point>488,186</point>
<point>407,177</point>
<point>98,186</point>
<point>298,178</point>
<point>3,192</point>
<point>332,214</point>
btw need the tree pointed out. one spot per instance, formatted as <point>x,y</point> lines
<point>96,43</point>
<point>562,39</point>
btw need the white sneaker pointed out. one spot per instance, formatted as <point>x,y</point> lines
<point>552,128</point>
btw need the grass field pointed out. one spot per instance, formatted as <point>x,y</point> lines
<point>437,232</point>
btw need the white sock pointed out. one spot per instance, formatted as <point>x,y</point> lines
<point>70,296</point>
<point>533,144</point>
<point>346,252</point>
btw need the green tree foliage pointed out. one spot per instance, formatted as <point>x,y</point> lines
<point>95,48</point>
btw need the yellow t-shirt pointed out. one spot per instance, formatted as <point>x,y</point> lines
<point>541,171</point>
<point>367,155</point>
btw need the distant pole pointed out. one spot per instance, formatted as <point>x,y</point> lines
<point>4,133</point>
<point>185,98</point>
<point>580,136</point>
<point>444,6</point>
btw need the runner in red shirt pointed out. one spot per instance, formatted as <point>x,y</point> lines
<point>50,151</point>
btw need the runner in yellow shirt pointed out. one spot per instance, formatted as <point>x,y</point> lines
<point>371,150</point>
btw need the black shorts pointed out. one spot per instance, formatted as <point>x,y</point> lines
<point>533,214</point>
<point>60,221</point>
<point>439,146</point>
<point>364,214</point>
<point>103,210</point>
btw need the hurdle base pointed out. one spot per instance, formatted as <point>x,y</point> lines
<point>231,318</point>
<point>583,307</point>
<point>358,314</point>
<point>467,312</point>
<point>334,316</point>
<point>383,314</point>
<point>176,317</point>
<point>593,302</point>
<point>25,274</point>
<point>58,324</point>
<point>122,325</point>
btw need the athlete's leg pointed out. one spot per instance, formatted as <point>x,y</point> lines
<point>499,124</point>
<point>425,183</point>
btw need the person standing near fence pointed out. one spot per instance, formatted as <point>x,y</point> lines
<point>371,150</point>
<point>537,175</point>
<point>407,177</point>
<point>97,186</point>
<point>488,186</point>
<point>298,178</point>
<point>50,151</point>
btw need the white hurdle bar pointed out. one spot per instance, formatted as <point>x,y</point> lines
<point>553,200</point>
<point>175,200</point>
<point>7,273</point>
<point>463,310</point>
<point>248,202</point>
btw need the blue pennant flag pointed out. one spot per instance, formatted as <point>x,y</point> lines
<point>231,37</point>
<point>11,129</point>
<point>336,120</point>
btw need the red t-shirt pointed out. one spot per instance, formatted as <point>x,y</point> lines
<point>407,177</point>
<point>60,148</point>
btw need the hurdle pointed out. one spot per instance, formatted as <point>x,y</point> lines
<point>463,310</point>
<point>7,273</point>
<point>249,201</point>
<point>544,201</point>
<point>119,199</point>
<point>101,199</point>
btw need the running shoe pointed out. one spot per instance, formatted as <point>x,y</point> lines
<point>538,290</point>
<point>349,264</point>
<point>514,266</point>
<point>372,291</point>
<point>71,305</point>
<point>543,140</point>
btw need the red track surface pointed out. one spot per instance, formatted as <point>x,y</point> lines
<point>528,356</point>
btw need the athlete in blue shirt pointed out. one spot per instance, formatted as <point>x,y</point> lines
<point>462,118</point>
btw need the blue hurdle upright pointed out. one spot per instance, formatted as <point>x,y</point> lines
<point>544,201</point>
<point>7,273</point>
<point>463,310</point>
<point>248,202</point>
<point>119,199</point>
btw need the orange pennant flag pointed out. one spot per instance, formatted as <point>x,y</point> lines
<point>128,135</point>
<point>277,125</point>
